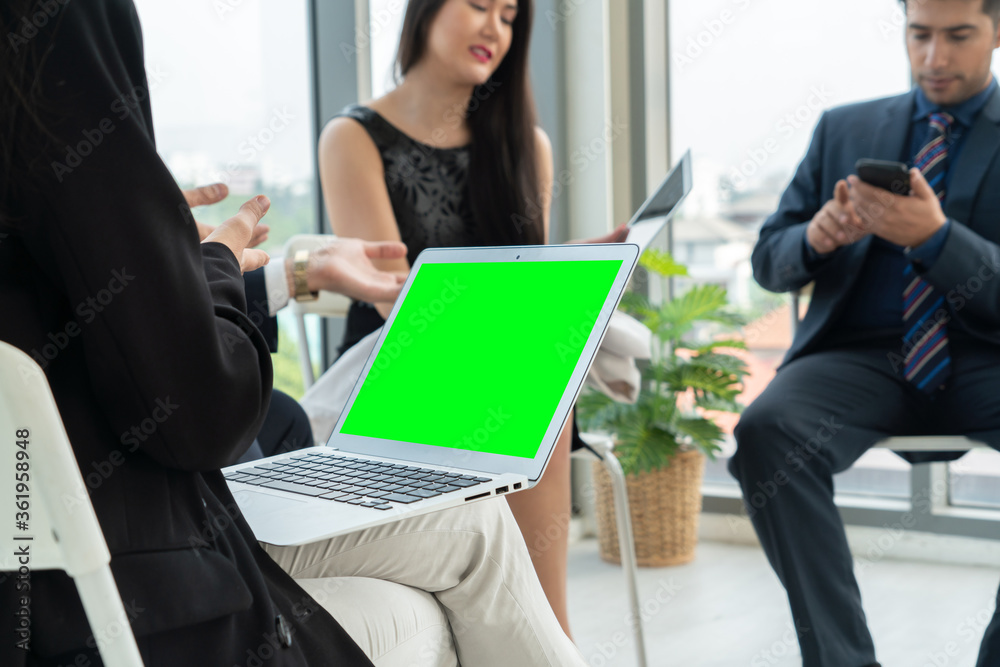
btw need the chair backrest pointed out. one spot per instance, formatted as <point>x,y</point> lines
<point>53,524</point>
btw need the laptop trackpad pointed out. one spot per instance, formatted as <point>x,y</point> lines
<point>260,504</point>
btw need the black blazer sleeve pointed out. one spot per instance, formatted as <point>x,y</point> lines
<point>258,310</point>
<point>779,259</point>
<point>162,318</point>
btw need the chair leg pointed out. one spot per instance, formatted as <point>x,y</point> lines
<point>108,621</point>
<point>626,545</point>
<point>304,361</point>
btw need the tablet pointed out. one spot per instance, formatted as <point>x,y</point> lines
<point>660,207</point>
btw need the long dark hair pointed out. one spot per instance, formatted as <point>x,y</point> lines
<point>503,172</point>
<point>23,135</point>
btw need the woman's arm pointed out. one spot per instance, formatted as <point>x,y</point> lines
<point>543,153</point>
<point>357,201</point>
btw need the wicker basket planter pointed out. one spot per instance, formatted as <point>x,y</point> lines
<point>665,506</point>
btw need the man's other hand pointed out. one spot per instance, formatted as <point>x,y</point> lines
<point>837,224</point>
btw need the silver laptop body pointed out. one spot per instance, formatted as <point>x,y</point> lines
<point>360,481</point>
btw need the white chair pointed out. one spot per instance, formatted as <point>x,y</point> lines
<point>929,443</point>
<point>921,443</point>
<point>56,535</point>
<point>329,304</point>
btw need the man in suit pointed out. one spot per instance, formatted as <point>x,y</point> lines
<point>903,333</point>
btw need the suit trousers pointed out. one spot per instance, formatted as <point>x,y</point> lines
<point>424,591</point>
<point>821,412</point>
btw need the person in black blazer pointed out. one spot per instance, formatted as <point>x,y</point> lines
<point>104,282</point>
<point>842,386</point>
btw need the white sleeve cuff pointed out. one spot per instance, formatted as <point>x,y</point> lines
<point>276,284</point>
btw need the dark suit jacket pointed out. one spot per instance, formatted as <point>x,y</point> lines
<point>257,309</point>
<point>879,129</point>
<point>159,375</point>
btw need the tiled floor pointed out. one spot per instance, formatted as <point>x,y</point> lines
<point>727,609</point>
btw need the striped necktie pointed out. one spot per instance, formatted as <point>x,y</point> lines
<point>925,316</point>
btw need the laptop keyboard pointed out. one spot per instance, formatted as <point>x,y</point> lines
<point>343,479</point>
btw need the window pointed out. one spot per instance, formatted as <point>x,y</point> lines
<point>748,84</point>
<point>386,21</point>
<point>975,479</point>
<point>230,90</point>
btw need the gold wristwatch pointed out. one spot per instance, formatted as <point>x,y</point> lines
<point>299,272</point>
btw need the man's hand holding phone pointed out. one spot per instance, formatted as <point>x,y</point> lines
<point>837,224</point>
<point>906,220</point>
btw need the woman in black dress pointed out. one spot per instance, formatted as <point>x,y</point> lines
<point>454,157</point>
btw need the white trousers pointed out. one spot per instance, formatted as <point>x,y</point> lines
<point>424,591</point>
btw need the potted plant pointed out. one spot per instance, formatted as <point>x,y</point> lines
<point>662,439</point>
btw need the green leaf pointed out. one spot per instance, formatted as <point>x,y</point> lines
<point>718,404</point>
<point>704,432</point>
<point>661,263</point>
<point>703,380</point>
<point>724,344</point>
<point>599,412</point>
<point>644,448</point>
<point>638,306</point>
<point>730,318</point>
<point>702,303</point>
<point>725,364</point>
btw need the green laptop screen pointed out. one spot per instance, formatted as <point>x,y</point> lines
<point>480,354</point>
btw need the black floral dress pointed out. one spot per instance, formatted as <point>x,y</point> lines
<point>429,194</point>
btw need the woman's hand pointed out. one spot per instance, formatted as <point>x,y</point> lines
<point>619,235</point>
<point>237,233</point>
<point>207,195</point>
<point>345,266</point>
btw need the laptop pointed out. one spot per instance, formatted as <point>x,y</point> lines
<point>462,398</point>
<point>661,206</point>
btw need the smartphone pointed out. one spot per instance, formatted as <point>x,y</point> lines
<point>891,176</point>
